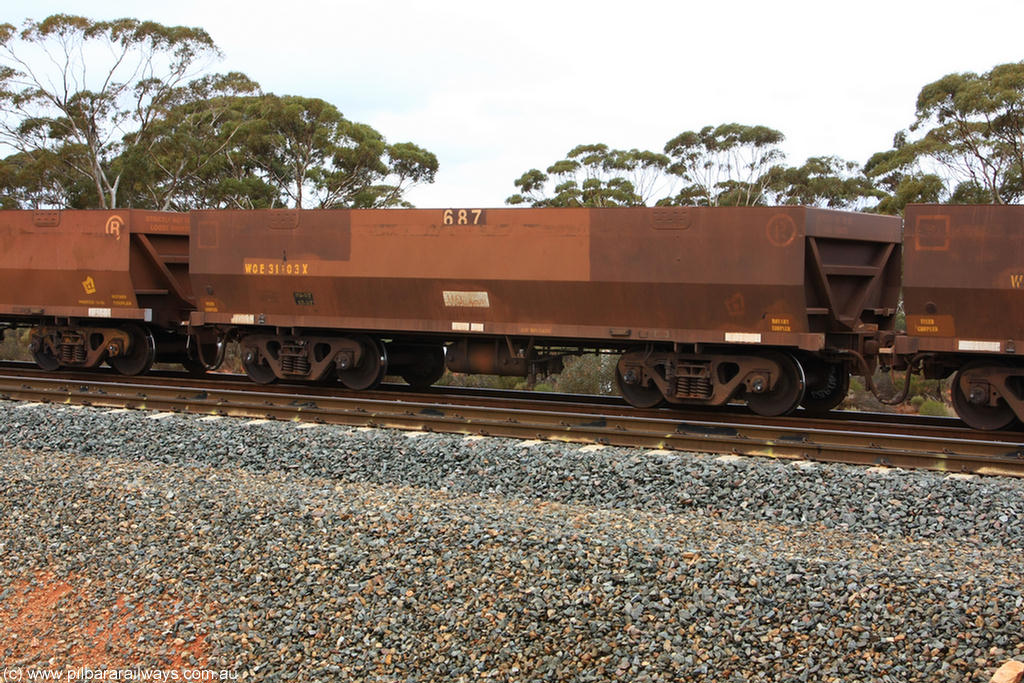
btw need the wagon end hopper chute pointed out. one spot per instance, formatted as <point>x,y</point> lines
<point>95,286</point>
<point>963,289</point>
<point>722,292</point>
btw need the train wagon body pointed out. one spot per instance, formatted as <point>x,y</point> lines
<point>705,304</point>
<point>963,290</point>
<point>95,286</point>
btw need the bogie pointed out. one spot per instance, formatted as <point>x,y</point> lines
<point>771,382</point>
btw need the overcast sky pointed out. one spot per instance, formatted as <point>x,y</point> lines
<point>497,88</point>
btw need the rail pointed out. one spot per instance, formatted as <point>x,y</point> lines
<point>854,438</point>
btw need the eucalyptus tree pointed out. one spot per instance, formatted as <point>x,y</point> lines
<point>77,94</point>
<point>966,143</point>
<point>724,165</point>
<point>315,157</point>
<point>184,156</point>
<point>824,181</point>
<point>898,174</point>
<point>595,175</point>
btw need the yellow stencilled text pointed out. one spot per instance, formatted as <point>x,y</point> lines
<point>276,268</point>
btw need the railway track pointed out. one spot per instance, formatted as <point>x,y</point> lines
<point>855,438</point>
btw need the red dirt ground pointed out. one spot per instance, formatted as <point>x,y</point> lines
<point>33,631</point>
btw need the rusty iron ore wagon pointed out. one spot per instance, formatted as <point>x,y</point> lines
<point>705,305</point>
<point>963,286</point>
<point>774,306</point>
<point>97,286</point>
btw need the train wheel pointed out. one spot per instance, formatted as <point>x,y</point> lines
<point>330,378</point>
<point>636,395</point>
<point>827,385</point>
<point>427,370</point>
<point>788,391</point>
<point>984,416</point>
<point>260,373</point>
<point>371,369</point>
<point>43,358</point>
<point>142,354</point>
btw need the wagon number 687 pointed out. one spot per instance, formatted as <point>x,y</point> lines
<point>464,217</point>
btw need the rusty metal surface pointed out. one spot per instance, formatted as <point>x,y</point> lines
<point>964,277</point>
<point>662,274</point>
<point>85,263</point>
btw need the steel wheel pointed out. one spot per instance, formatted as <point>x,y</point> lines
<point>788,391</point>
<point>827,385</point>
<point>260,373</point>
<point>983,417</point>
<point>636,395</point>
<point>371,369</point>
<point>140,357</point>
<point>330,377</point>
<point>43,358</point>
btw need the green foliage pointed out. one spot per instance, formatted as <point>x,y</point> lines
<point>594,176</point>
<point>725,165</point>
<point>925,388</point>
<point>897,174</point>
<point>970,192</point>
<point>15,345</point>
<point>923,392</point>
<point>589,374</point>
<point>457,379</point>
<point>235,150</point>
<point>188,156</point>
<point>933,407</point>
<point>822,181</point>
<point>971,143</point>
<point>969,149</point>
<point>40,179</point>
<point>134,130</point>
<point>860,398</point>
<point>313,156</point>
<point>76,93</point>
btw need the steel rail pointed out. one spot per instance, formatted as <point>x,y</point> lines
<point>938,447</point>
<point>911,422</point>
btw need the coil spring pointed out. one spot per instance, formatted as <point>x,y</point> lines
<point>294,361</point>
<point>693,387</point>
<point>71,353</point>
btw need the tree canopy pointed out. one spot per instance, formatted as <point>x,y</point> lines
<point>828,182</point>
<point>125,113</point>
<point>595,175</point>
<point>726,165</point>
<point>119,113</point>
<point>75,93</point>
<point>966,143</point>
